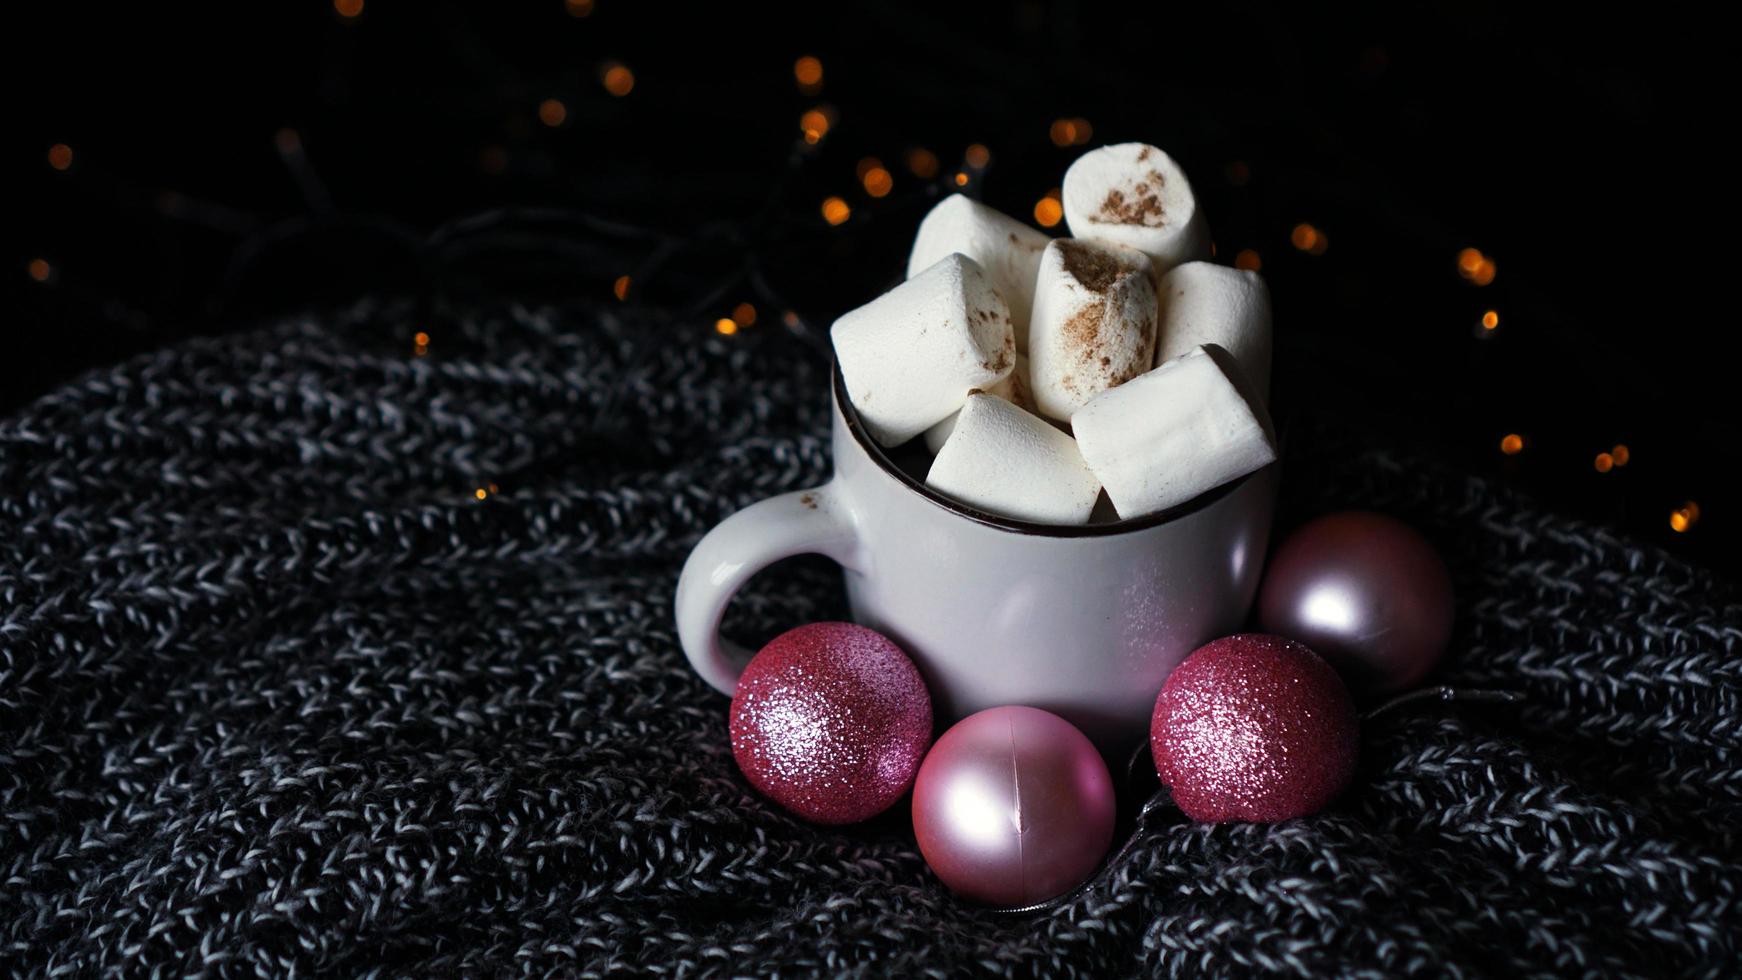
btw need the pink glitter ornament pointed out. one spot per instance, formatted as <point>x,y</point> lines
<point>1013,806</point>
<point>1254,728</point>
<point>831,720</point>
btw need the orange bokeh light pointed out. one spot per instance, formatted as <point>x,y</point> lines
<point>878,182</point>
<point>1071,132</point>
<point>618,79</point>
<point>1309,239</point>
<point>1048,211</point>
<point>808,72</point>
<point>815,123</point>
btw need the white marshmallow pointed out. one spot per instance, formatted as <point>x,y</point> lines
<point>1134,194</point>
<point>1204,303</point>
<point>1094,323</point>
<point>1182,429</point>
<point>1003,460</point>
<point>1007,249</point>
<point>911,356</point>
<point>1013,389</point>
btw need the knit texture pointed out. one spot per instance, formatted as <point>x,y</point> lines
<point>280,694</point>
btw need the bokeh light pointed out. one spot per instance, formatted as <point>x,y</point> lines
<point>876,178</point>
<point>1048,212</point>
<point>808,72</point>
<point>1476,267</point>
<point>1309,239</point>
<point>618,79</point>
<point>815,123</point>
<point>1071,132</point>
<point>878,182</point>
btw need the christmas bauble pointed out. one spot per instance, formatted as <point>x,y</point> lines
<point>1253,728</point>
<point>831,720</point>
<point>1365,591</point>
<point>1013,806</point>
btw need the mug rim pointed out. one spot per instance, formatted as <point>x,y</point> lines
<point>850,415</point>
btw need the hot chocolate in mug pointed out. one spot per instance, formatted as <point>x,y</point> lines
<point>1085,621</point>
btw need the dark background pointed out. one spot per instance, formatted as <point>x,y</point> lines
<point>236,162</point>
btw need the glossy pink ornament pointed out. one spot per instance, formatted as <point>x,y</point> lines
<point>1013,806</point>
<point>831,720</point>
<point>1367,592</point>
<point>1254,728</point>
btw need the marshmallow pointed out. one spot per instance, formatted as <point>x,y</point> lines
<point>1182,429</point>
<point>1013,389</point>
<point>1007,249</point>
<point>1094,323</point>
<point>1003,460</point>
<point>1134,194</point>
<point>910,356</point>
<point>1203,303</point>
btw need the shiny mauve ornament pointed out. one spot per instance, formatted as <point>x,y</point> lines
<point>831,720</point>
<point>1013,806</point>
<point>1253,728</point>
<point>1366,592</point>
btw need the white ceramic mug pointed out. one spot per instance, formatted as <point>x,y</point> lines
<point>1084,621</point>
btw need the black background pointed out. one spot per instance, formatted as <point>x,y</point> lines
<point>234,162</point>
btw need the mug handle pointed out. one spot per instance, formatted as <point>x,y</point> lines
<point>814,521</point>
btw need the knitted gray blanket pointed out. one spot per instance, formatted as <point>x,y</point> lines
<point>317,657</point>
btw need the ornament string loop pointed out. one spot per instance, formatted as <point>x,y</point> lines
<point>1443,694</point>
